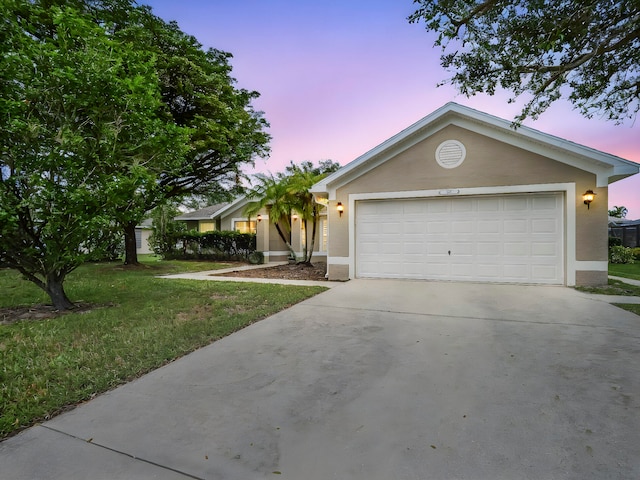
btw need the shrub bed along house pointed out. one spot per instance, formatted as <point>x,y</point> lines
<point>216,245</point>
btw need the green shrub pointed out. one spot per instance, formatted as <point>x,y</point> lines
<point>614,242</point>
<point>256,258</point>
<point>620,254</point>
<point>636,253</point>
<point>216,245</point>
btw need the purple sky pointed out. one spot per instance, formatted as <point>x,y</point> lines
<point>338,77</point>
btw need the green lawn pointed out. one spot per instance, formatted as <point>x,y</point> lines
<point>616,287</point>
<point>625,270</point>
<point>139,323</point>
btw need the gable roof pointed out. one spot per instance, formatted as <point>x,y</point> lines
<point>237,203</point>
<point>607,168</point>
<point>206,213</point>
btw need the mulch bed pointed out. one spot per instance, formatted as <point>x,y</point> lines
<point>300,271</point>
<point>9,315</point>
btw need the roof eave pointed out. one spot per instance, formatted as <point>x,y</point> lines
<point>607,168</point>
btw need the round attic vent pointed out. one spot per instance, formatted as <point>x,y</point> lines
<point>450,154</point>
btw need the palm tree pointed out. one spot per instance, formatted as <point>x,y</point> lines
<point>274,194</point>
<point>287,193</point>
<point>300,180</point>
<point>618,212</point>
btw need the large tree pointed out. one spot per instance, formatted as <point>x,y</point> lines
<point>586,50</point>
<point>223,131</point>
<point>198,93</point>
<point>75,102</point>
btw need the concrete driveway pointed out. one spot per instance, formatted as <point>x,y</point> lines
<point>371,380</point>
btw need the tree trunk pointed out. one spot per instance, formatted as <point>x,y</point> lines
<point>287,243</point>
<point>55,289</point>
<point>306,240</point>
<point>130,251</point>
<point>313,237</point>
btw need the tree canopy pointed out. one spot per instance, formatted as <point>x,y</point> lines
<point>91,133</point>
<point>585,50</point>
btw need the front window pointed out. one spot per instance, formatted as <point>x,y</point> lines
<point>244,226</point>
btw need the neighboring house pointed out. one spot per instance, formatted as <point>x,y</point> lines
<point>626,230</point>
<point>203,220</point>
<point>231,216</point>
<point>462,196</point>
<point>143,233</point>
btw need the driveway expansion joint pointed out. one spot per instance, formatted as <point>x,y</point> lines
<point>461,317</point>
<point>119,452</point>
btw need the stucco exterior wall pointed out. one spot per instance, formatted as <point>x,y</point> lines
<point>488,163</point>
<point>226,222</point>
<point>591,278</point>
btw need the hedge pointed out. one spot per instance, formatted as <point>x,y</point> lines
<point>216,245</point>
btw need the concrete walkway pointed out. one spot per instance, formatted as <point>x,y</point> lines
<point>374,379</point>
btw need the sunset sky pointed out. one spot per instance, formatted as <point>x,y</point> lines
<point>338,77</point>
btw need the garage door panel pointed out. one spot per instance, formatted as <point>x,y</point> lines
<point>544,225</point>
<point>544,249</point>
<point>463,226</point>
<point>515,204</point>
<point>437,248</point>
<point>510,238</point>
<point>515,226</point>
<point>488,249</point>
<point>390,249</point>
<point>460,248</point>
<point>489,226</point>
<point>516,249</point>
<point>545,202</point>
<point>415,227</point>
<point>437,206</point>
<point>390,227</point>
<point>368,248</point>
<point>437,227</point>
<point>439,270</point>
<point>546,272</point>
<point>518,272</point>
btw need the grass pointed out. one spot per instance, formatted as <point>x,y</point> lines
<point>142,323</point>
<point>617,287</point>
<point>625,270</point>
<point>614,287</point>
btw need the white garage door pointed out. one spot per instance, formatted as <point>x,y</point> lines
<point>508,238</point>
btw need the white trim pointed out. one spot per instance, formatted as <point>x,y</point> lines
<point>592,265</point>
<point>278,252</point>
<point>338,261</point>
<point>569,189</point>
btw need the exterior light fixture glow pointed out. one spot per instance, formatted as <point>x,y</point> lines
<point>588,197</point>
<point>294,217</point>
<point>259,217</point>
<point>340,208</point>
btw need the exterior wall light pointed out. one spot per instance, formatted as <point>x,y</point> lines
<point>259,217</point>
<point>588,197</point>
<point>294,217</point>
<point>340,208</point>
